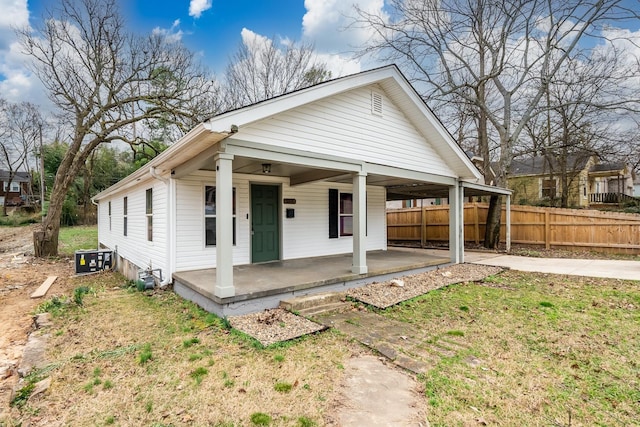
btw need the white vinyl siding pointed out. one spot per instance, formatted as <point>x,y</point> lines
<point>305,235</point>
<point>135,247</point>
<point>390,139</point>
<point>191,250</point>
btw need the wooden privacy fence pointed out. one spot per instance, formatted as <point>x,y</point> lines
<point>549,227</point>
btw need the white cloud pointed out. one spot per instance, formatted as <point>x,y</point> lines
<point>17,83</point>
<point>196,7</point>
<point>172,34</point>
<point>329,24</point>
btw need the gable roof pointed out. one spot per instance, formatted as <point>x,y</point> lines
<point>18,177</point>
<point>389,78</point>
<point>607,167</point>
<point>540,165</point>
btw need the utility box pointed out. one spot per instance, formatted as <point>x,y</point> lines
<point>92,261</point>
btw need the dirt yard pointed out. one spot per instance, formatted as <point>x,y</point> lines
<point>20,275</point>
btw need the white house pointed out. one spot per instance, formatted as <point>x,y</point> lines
<point>302,175</point>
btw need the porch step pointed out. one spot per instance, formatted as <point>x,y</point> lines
<point>309,305</point>
<point>319,309</point>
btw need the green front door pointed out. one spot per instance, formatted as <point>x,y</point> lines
<point>265,232</point>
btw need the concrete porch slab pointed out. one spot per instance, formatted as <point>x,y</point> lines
<point>262,286</point>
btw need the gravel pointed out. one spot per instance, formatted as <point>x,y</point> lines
<point>402,288</point>
<point>275,325</point>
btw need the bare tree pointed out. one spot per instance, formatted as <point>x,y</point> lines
<point>102,78</point>
<point>493,55</point>
<point>260,70</point>
<point>20,126</point>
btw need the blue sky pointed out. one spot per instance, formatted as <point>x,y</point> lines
<point>212,28</point>
<point>216,33</point>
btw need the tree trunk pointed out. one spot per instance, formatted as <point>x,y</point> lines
<point>492,229</point>
<point>45,239</point>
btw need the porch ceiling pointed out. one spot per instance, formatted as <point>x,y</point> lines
<point>397,188</point>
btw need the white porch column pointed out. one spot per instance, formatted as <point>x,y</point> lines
<point>456,223</point>
<point>224,226</point>
<point>508,219</point>
<point>359,265</point>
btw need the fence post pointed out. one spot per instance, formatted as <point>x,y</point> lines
<point>423,215</point>
<point>476,223</point>
<point>547,230</point>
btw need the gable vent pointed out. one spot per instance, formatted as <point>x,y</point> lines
<point>376,103</point>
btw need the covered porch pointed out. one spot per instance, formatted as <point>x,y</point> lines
<point>260,286</point>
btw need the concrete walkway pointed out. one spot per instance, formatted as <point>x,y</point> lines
<point>612,269</point>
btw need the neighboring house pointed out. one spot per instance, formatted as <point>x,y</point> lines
<point>636,186</point>
<point>302,175</point>
<point>436,201</point>
<point>535,181</point>
<point>14,194</point>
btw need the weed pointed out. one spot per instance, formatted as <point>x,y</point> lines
<point>145,354</point>
<point>148,407</point>
<point>190,342</point>
<point>110,420</point>
<point>306,422</point>
<point>97,372</point>
<point>225,323</point>
<point>306,387</point>
<point>455,333</point>
<point>464,308</point>
<point>97,381</point>
<point>546,304</point>
<point>22,396</point>
<point>260,419</point>
<point>283,387</point>
<point>198,374</point>
<point>352,322</point>
<point>88,387</point>
<point>194,357</point>
<point>107,384</point>
<point>278,358</point>
<point>55,306</point>
<point>79,293</point>
<point>229,383</point>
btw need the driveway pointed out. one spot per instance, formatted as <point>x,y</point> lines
<point>612,269</point>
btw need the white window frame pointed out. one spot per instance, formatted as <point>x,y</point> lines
<point>214,214</point>
<point>15,187</point>
<point>148,197</point>
<point>342,215</point>
<point>125,216</point>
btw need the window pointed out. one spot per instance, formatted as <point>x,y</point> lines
<point>124,215</point>
<point>341,214</point>
<point>210,215</point>
<point>15,187</point>
<point>346,214</point>
<point>549,188</point>
<point>109,216</point>
<point>149,213</point>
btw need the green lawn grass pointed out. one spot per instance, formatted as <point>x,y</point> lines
<point>75,238</point>
<point>541,350</point>
<point>546,350</point>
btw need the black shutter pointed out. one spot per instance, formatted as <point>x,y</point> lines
<point>333,213</point>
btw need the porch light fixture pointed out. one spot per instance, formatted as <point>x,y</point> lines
<point>266,168</point>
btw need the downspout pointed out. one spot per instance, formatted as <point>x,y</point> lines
<point>170,226</point>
